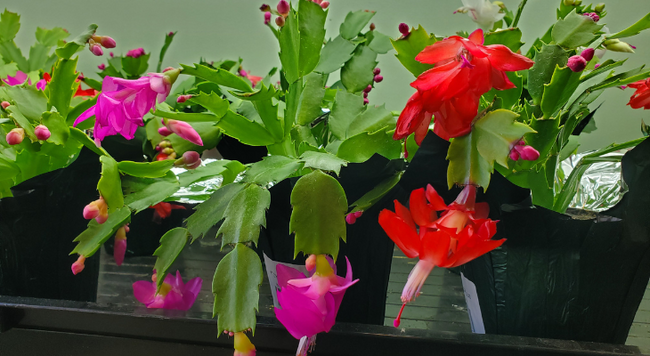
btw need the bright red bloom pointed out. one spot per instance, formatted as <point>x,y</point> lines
<point>641,97</point>
<point>464,70</point>
<point>461,233</point>
<point>164,210</point>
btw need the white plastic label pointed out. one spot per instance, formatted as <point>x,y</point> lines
<point>271,273</point>
<point>473,307</point>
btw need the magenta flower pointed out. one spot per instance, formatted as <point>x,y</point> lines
<point>122,103</point>
<point>309,305</point>
<point>17,79</point>
<point>174,294</point>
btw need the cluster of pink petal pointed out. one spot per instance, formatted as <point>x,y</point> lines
<point>135,53</point>
<point>177,295</point>
<point>309,305</point>
<point>22,77</point>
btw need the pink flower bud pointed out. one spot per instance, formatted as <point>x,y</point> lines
<point>15,136</point>
<point>42,132</point>
<point>81,76</point>
<point>368,89</point>
<point>283,7</point>
<point>183,98</point>
<point>79,265</point>
<point>376,71</point>
<point>378,78</point>
<point>588,54</point>
<point>350,219</point>
<point>597,65</point>
<point>119,248</point>
<point>324,5</point>
<point>279,21</point>
<point>135,53</point>
<point>108,42</point>
<point>514,155</point>
<point>101,66</point>
<point>310,263</point>
<point>164,131</point>
<point>96,49</point>
<point>185,131</point>
<point>528,153</point>
<point>5,104</point>
<point>170,34</point>
<point>267,18</point>
<point>366,101</point>
<point>111,54</point>
<point>577,63</point>
<point>404,29</point>
<point>191,159</point>
<point>365,94</point>
<point>592,15</point>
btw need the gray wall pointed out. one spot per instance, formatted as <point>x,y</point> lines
<point>216,29</point>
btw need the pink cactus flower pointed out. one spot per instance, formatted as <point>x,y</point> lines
<point>309,305</point>
<point>79,265</point>
<point>123,103</point>
<point>119,248</point>
<point>15,136</point>
<point>41,84</point>
<point>18,79</point>
<point>174,294</point>
<point>42,132</point>
<point>184,130</point>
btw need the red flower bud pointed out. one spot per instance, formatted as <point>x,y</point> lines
<point>183,98</point>
<point>378,78</point>
<point>324,5</point>
<point>5,104</point>
<point>367,89</point>
<point>592,15</point>
<point>366,101</point>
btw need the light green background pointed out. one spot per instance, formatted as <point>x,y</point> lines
<point>219,29</point>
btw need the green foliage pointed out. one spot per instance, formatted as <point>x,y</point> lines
<point>318,216</point>
<point>290,48</point>
<point>218,76</point>
<point>575,30</point>
<point>373,119</point>
<point>154,169</point>
<point>91,239</point>
<point>606,66</point>
<point>171,246</point>
<point>59,130</point>
<point>86,141</point>
<point>635,29</point>
<point>309,106</point>
<point>77,44</point>
<point>311,25</point>
<point>168,41</point>
<point>508,97</point>
<point>510,37</point>
<point>62,86</point>
<point>244,216</point>
<point>141,193</point>
<point>409,47</point>
<point>370,198</point>
<point>379,42</point>
<point>109,185</point>
<point>225,168</point>
<point>31,101</point>
<point>541,72</point>
<point>323,161</point>
<point>9,25</point>
<point>272,169</point>
<point>335,54</point>
<point>346,108</point>
<point>135,67</point>
<point>357,73</point>
<point>355,22</point>
<point>211,211</point>
<point>236,290</point>
<point>244,130</point>
<point>22,121</point>
<point>361,147</point>
<point>50,38</point>
<point>556,93</point>
<point>471,157</point>
<point>212,102</point>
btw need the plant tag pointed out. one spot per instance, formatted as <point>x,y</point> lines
<point>273,276</point>
<point>473,307</point>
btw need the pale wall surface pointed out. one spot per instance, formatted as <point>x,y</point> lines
<point>219,29</point>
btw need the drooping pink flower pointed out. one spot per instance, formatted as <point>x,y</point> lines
<point>184,130</point>
<point>123,103</point>
<point>119,248</point>
<point>308,305</point>
<point>174,294</point>
<point>42,132</point>
<point>97,210</point>
<point>5,104</point>
<point>79,265</point>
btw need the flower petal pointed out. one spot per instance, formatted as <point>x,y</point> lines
<point>402,234</point>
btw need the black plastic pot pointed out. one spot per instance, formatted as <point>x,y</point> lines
<point>576,277</point>
<point>37,226</point>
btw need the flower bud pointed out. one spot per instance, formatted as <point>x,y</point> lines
<point>588,54</point>
<point>365,94</point>
<point>79,265</point>
<point>119,248</point>
<point>366,101</point>
<point>352,217</point>
<point>161,157</point>
<point>101,66</point>
<point>5,104</point>
<point>376,71</point>
<point>569,2</point>
<point>368,89</point>
<point>404,29</point>
<point>164,131</point>
<point>600,7</point>
<point>96,49</point>
<point>310,263</point>
<point>378,78</point>
<point>97,210</point>
<point>42,132</point>
<point>592,15</point>
<point>279,21</point>
<point>135,53</point>
<point>514,155</point>
<point>15,136</point>
<point>267,18</point>
<point>183,98</point>
<point>190,160</point>
<point>577,63</point>
<point>265,8</point>
<point>372,26</point>
<point>165,143</point>
<point>167,150</point>
<point>107,42</point>
<point>618,46</point>
<point>324,5</point>
<point>283,7</point>
<point>111,54</point>
<point>500,4</point>
<point>184,130</point>
<point>528,153</point>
